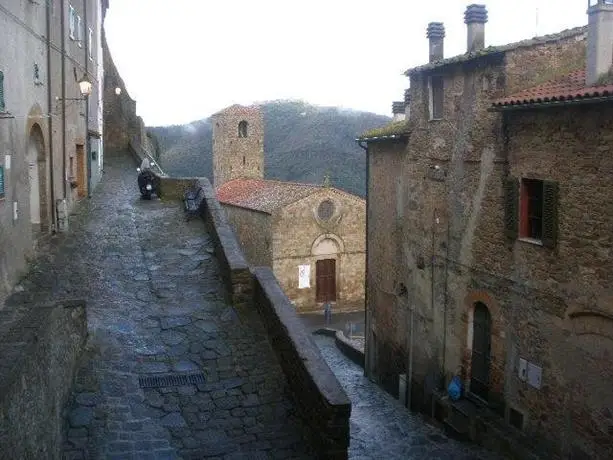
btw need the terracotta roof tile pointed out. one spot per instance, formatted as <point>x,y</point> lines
<point>263,195</point>
<point>569,87</point>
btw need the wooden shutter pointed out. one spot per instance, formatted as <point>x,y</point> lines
<point>550,214</point>
<point>511,207</point>
<point>2,106</point>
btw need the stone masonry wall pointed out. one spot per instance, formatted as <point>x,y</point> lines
<point>32,396</point>
<point>254,233</point>
<point>297,234</point>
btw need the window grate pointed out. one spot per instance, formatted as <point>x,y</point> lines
<point>174,380</point>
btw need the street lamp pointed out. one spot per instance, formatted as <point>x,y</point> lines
<point>118,91</point>
<point>85,86</point>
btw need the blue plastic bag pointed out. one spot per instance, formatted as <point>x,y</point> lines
<point>454,390</point>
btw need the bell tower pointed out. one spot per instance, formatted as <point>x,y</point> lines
<point>238,144</point>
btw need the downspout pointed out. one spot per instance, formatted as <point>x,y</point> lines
<point>50,119</point>
<point>87,142</point>
<point>446,299</point>
<point>366,325</point>
<point>63,73</point>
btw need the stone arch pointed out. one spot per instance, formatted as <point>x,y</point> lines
<point>480,299</point>
<point>325,241</point>
<point>37,173</point>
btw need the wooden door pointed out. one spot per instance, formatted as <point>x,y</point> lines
<point>81,171</point>
<point>480,364</point>
<point>325,276</point>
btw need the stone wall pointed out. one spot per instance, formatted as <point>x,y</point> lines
<point>301,238</point>
<point>254,232</point>
<point>316,391</point>
<point>32,396</point>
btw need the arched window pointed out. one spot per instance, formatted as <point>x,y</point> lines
<point>242,129</point>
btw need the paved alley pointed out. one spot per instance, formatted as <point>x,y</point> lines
<point>170,370</point>
<point>381,428</point>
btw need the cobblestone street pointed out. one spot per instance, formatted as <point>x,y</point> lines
<point>381,427</point>
<point>155,308</point>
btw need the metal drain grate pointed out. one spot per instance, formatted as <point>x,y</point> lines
<point>175,380</point>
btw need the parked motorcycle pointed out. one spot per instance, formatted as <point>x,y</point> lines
<point>147,183</point>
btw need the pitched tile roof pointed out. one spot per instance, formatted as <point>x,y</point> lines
<point>238,109</point>
<point>263,195</point>
<point>571,87</point>
<point>490,50</point>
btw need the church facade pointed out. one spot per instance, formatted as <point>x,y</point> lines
<point>312,236</point>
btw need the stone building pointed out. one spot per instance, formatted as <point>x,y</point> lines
<point>311,236</point>
<point>493,196</point>
<point>50,134</point>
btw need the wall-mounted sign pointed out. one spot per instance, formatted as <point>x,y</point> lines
<point>534,375</point>
<point>304,276</point>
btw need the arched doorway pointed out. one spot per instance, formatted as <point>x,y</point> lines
<point>481,348</point>
<point>326,250</point>
<point>37,172</point>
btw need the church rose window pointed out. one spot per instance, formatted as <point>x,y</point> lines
<point>325,210</point>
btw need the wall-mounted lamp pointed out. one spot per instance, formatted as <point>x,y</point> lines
<point>118,90</point>
<point>85,86</point>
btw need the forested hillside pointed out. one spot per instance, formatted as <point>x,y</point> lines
<point>302,143</point>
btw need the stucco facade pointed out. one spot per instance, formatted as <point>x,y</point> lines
<point>44,120</point>
<point>443,254</point>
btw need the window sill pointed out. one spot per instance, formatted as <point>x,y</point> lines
<point>524,239</point>
<point>436,119</point>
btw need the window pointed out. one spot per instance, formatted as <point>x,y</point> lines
<point>79,31</point>
<point>242,129</point>
<point>325,210</point>
<point>72,21</point>
<point>437,97</point>
<point>90,43</point>
<point>1,182</point>
<point>243,160</point>
<point>531,210</point>
<point>2,105</point>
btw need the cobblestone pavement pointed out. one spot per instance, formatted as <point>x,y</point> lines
<point>155,308</point>
<point>381,428</point>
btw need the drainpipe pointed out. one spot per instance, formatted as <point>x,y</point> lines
<point>87,144</point>
<point>63,49</point>
<point>366,325</point>
<point>50,110</point>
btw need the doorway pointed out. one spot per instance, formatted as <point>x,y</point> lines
<point>81,171</point>
<point>37,179</point>
<point>482,344</point>
<point>325,284</point>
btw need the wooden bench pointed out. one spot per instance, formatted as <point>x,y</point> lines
<point>193,200</point>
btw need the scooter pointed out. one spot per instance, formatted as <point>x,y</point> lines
<point>147,183</point>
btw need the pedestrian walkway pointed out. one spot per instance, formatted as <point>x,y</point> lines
<point>381,427</point>
<point>170,369</point>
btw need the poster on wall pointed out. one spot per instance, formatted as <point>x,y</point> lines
<point>304,276</point>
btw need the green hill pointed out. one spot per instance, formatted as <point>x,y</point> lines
<point>302,143</point>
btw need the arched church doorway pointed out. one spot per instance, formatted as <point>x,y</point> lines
<point>37,172</point>
<point>326,250</point>
<point>482,344</point>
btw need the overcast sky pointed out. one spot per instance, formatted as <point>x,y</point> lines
<point>183,60</point>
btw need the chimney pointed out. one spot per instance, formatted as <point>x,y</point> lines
<point>475,18</point>
<point>599,40</point>
<point>407,103</point>
<point>436,34</point>
<point>398,110</point>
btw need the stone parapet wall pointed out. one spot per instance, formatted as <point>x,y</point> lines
<point>32,395</point>
<point>319,396</point>
<point>317,393</point>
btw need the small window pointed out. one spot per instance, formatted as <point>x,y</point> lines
<point>516,418</point>
<point>531,203</point>
<point>242,129</point>
<point>1,182</point>
<point>79,31</point>
<point>90,44</point>
<point>243,160</point>
<point>72,22</point>
<point>437,97</point>
<point>2,105</point>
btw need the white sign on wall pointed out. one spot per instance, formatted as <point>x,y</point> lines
<point>534,375</point>
<point>304,276</point>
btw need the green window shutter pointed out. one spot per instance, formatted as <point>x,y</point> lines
<point>511,207</point>
<point>2,106</point>
<point>1,181</point>
<point>550,214</point>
